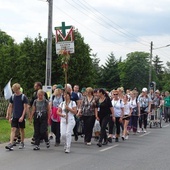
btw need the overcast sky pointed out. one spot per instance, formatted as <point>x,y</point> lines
<point>118,26</point>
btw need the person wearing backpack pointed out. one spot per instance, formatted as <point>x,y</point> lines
<point>16,115</point>
<point>66,111</point>
<point>40,113</point>
<point>55,101</point>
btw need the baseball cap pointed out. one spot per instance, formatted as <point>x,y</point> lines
<point>144,89</point>
<point>59,86</point>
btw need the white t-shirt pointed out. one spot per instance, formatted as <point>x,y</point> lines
<point>133,103</point>
<point>127,108</point>
<point>70,114</point>
<point>117,105</point>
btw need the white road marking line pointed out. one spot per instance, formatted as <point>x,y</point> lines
<point>145,134</point>
<point>165,125</point>
<point>102,150</point>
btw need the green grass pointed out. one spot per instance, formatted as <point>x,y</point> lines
<point>5,129</point>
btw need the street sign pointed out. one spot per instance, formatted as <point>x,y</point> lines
<point>65,45</point>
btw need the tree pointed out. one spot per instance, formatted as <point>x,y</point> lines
<point>110,74</point>
<point>134,70</point>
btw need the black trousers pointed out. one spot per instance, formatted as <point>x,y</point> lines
<point>55,128</point>
<point>88,127</point>
<point>103,124</point>
<point>118,125</point>
<point>40,130</point>
<point>111,125</point>
<point>143,119</point>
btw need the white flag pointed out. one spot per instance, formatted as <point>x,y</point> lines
<point>8,90</point>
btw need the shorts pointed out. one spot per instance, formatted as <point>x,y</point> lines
<point>15,123</point>
<point>126,117</point>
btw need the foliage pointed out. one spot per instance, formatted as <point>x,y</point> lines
<point>6,129</point>
<point>110,74</point>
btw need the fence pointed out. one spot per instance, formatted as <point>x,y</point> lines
<point>3,106</point>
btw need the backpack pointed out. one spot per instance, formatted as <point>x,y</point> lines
<point>22,97</point>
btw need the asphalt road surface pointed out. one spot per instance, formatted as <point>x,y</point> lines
<point>144,151</point>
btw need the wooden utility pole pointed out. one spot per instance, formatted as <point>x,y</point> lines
<point>49,45</point>
<point>150,65</point>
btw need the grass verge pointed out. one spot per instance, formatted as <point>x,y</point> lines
<point>5,129</point>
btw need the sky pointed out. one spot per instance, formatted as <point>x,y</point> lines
<point>117,26</point>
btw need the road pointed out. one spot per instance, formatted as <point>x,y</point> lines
<point>144,151</point>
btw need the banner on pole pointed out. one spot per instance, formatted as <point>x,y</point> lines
<point>8,90</point>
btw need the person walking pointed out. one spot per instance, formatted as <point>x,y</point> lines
<point>103,111</point>
<point>55,101</point>
<point>66,111</point>
<point>16,115</point>
<point>87,111</point>
<point>127,115</point>
<point>40,113</point>
<point>118,111</point>
<point>144,107</point>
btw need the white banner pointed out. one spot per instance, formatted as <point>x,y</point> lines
<point>65,45</point>
<point>8,90</point>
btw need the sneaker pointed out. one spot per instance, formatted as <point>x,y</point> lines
<point>99,144</point>
<point>123,137</point>
<point>21,146</point>
<point>127,137</point>
<point>88,143</point>
<point>109,139</point>
<point>139,131</point>
<point>9,146</point>
<point>36,148</point>
<point>48,144</point>
<point>116,140</point>
<point>67,150</point>
<point>144,130</point>
<point>114,137</point>
<point>76,138</point>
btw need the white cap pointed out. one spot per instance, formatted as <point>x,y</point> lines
<point>144,89</point>
<point>157,91</point>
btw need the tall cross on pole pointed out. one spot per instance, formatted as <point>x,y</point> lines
<point>63,28</point>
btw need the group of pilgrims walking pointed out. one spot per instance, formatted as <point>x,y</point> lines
<point>69,113</point>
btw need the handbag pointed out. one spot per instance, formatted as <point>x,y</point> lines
<point>54,114</point>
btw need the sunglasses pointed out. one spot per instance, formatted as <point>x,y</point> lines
<point>115,94</point>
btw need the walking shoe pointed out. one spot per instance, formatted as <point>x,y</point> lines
<point>114,136</point>
<point>127,137</point>
<point>139,131</point>
<point>67,150</point>
<point>144,130</point>
<point>123,137</point>
<point>36,148</point>
<point>109,139</point>
<point>48,144</point>
<point>76,138</point>
<point>21,146</point>
<point>116,140</point>
<point>9,146</point>
<point>99,144</point>
<point>88,143</point>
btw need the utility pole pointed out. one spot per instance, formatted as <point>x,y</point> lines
<point>150,67</point>
<point>49,45</point>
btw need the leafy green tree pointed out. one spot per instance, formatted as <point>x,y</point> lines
<point>134,70</point>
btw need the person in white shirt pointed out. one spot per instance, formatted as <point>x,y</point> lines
<point>67,110</point>
<point>126,117</point>
<point>118,112</point>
